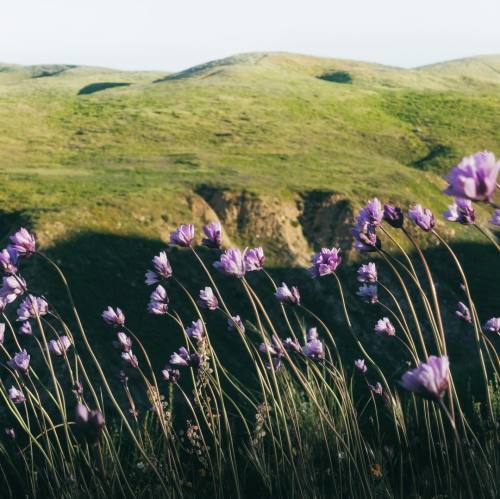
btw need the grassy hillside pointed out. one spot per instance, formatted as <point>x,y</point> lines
<point>281,147</point>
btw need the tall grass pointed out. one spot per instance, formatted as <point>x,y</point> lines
<point>309,423</point>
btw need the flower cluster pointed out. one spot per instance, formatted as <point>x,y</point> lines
<point>158,301</point>
<point>325,262</point>
<point>162,269</point>
<point>430,379</point>
<point>284,294</point>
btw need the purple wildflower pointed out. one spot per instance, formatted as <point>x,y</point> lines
<point>60,346</point>
<point>129,358</point>
<point>91,423</point>
<point>314,349</point>
<point>170,375</point>
<point>162,269</point>
<point>23,243</point>
<point>183,235</point>
<point>492,325</point>
<point>25,329</point>
<point>180,358</point>
<point>495,218</point>
<point>325,262</point>
<point>288,295</point>
<point>461,211</point>
<point>77,388</point>
<point>292,345</point>
<point>393,215</point>
<point>213,231</point>
<point>232,262</point>
<point>423,217</point>
<point>8,260</point>
<point>17,396</point>
<point>360,365</point>
<point>384,327</point>
<point>366,239</point>
<point>275,350</point>
<point>254,259</point>
<point>367,273</point>
<point>376,388</point>
<point>196,331</point>
<point>312,334</point>
<point>463,312</point>
<point>475,177</point>
<point>12,287</point>
<point>158,301</point>
<point>123,342</point>
<point>368,293</point>
<point>207,299</point>
<point>32,307</point>
<point>11,433</point>
<point>20,362</point>
<point>372,213</point>
<point>430,379</point>
<point>235,323</point>
<point>113,318</point>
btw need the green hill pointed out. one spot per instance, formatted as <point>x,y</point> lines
<point>282,148</point>
<point>96,149</point>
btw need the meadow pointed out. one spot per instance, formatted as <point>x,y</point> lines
<point>301,398</point>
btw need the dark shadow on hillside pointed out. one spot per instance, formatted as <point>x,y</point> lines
<point>105,269</point>
<point>336,77</point>
<point>92,88</point>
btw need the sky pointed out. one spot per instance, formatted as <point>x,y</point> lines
<point>173,35</point>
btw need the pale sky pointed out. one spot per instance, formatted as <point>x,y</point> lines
<point>172,35</point>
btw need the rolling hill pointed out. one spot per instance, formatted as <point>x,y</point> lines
<point>282,148</point>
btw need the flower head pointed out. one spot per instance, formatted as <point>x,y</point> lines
<point>20,362</point>
<point>292,345</point>
<point>207,299</point>
<point>368,293</point>
<point>235,323</point>
<point>365,236</point>
<point>158,301</point>
<point>12,287</point>
<point>213,233</point>
<point>254,259</point>
<point>123,342</point>
<point>376,388</point>
<point>393,215</point>
<point>275,350</point>
<point>60,346</point>
<point>232,262</point>
<point>384,327</point>
<point>8,260</point>
<point>430,379</point>
<point>368,273</point>
<point>463,312</point>
<point>170,375</point>
<point>325,262</point>
<point>23,243</point>
<point>461,211</point>
<point>288,295</point>
<point>129,358</point>
<point>360,365</point>
<point>475,177</point>
<point>113,318</point>
<point>312,334</point>
<point>372,213</point>
<point>90,423</point>
<point>25,329</point>
<point>162,269</point>
<point>17,396</point>
<point>183,235</point>
<point>495,218</point>
<point>314,349</point>
<point>196,331</point>
<point>492,325</point>
<point>10,432</point>
<point>423,217</point>
<point>180,358</point>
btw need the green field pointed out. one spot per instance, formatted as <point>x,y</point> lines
<point>282,148</point>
